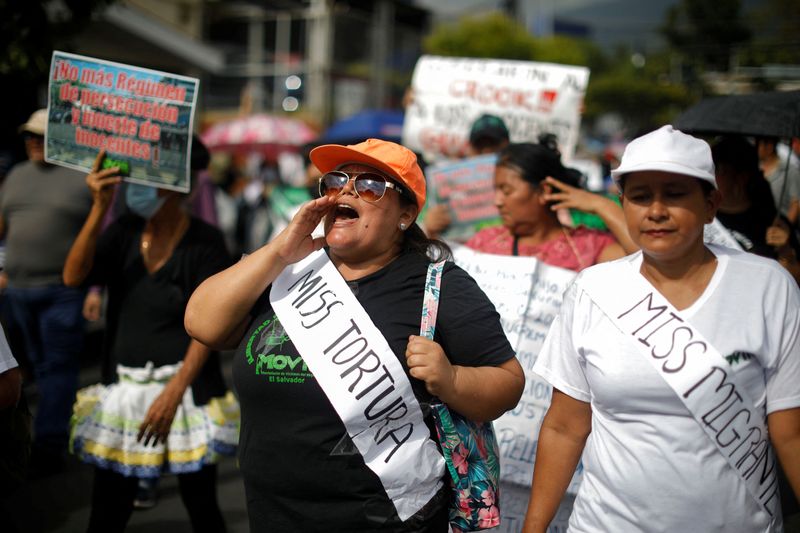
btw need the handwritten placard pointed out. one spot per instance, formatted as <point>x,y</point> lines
<point>527,294</point>
<point>449,93</point>
<point>467,189</point>
<point>514,503</point>
<point>142,118</point>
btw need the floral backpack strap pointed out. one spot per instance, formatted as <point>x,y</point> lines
<point>469,448</point>
<point>430,302</point>
<point>427,327</point>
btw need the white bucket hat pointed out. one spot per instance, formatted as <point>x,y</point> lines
<point>668,150</point>
<point>37,123</point>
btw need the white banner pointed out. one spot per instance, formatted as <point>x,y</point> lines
<point>449,93</point>
<point>527,294</point>
<point>362,378</point>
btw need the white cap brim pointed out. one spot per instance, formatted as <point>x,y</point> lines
<point>664,166</point>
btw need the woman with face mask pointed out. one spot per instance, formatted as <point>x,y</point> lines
<point>168,410</point>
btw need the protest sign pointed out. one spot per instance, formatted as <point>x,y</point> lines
<point>527,294</point>
<point>466,188</point>
<point>514,504</point>
<point>532,98</point>
<point>142,118</point>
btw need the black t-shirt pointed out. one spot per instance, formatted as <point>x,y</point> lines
<point>145,311</point>
<point>301,471</point>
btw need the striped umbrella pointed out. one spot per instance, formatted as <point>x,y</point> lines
<point>263,133</point>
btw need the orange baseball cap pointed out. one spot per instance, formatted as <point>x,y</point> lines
<point>396,161</point>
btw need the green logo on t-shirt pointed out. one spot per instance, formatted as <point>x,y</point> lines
<point>267,339</point>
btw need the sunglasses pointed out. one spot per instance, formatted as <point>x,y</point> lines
<point>369,186</point>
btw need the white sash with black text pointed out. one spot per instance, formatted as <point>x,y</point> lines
<point>362,378</point>
<point>696,372</point>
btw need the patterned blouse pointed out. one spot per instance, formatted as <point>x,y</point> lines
<point>574,249</point>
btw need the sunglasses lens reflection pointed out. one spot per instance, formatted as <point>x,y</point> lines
<point>369,187</point>
<point>332,183</point>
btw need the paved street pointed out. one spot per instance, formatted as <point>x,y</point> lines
<point>60,503</point>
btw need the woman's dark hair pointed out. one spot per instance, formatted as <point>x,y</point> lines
<point>415,241</point>
<point>736,152</point>
<point>534,162</point>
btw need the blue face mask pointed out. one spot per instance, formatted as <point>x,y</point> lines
<point>143,200</point>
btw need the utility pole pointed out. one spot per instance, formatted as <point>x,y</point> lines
<point>319,45</point>
<point>283,35</point>
<point>255,59</point>
<point>382,37</point>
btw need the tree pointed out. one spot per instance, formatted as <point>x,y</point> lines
<point>776,34</point>
<point>492,36</point>
<point>29,31</point>
<point>705,34</point>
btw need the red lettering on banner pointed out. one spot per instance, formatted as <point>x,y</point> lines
<point>443,142</point>
<point>90,76</point>
<point>547,99</point>
<point>112,144</point>
<point>149,131</point>
<point>65,69</point>
<point>492,95</point>
<point>68,93</point>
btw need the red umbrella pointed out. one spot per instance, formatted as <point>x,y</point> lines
<point>263,133</point>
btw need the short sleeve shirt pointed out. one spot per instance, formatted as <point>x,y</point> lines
<point>7,361</point>
<point>647,463</point>
<point>300,470</point>
<point>146,310</point>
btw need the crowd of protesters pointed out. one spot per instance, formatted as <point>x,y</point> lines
<point>159,264</point>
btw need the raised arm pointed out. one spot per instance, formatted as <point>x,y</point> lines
<point>81,256</point>
<point>480,393</point>
<point>217,312</point>
<point>566,196</point>
<point>565,428</point>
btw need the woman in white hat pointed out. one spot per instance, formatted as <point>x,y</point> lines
<point>674,370</point>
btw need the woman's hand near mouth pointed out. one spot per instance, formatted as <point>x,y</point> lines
<point>295,242</point>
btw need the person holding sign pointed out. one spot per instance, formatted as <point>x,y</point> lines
<point>674,370</point>
<point>168,411</point>
<point>334,380</point>
<point>530,227</point>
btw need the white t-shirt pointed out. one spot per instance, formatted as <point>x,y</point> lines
<point>648,465</point>
<point>7,361</point>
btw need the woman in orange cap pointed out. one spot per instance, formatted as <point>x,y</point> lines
<point>332,377</point>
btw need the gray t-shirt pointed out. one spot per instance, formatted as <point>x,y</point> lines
<point>7,361</point>
<point>43,209</point>
<point>784,194</point>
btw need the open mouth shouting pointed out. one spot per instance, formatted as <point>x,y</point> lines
<point>344,214</point>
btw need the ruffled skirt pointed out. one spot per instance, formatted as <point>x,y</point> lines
<point>106,420</point>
